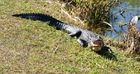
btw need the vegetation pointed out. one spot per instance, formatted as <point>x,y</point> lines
<point>28,46</point>
<point>132,38</point>
<point>92,12</point>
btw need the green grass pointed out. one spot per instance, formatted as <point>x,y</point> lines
<point>28,46</point>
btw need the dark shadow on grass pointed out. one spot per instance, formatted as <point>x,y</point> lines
<point>106,52</point>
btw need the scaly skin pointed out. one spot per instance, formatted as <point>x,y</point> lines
<point>84,37</point>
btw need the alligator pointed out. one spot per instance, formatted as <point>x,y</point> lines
<point>84,37</point>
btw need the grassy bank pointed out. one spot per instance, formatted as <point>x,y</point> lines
<point>28,46</point>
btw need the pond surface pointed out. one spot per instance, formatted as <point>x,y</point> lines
<point>130,8</point>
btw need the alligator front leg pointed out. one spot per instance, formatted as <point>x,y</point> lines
<point>83,43</point>
<point>75,34</point>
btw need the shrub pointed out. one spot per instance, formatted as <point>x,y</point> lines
<point>91,12</point>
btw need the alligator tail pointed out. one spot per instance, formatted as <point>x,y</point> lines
<point>44,18</point>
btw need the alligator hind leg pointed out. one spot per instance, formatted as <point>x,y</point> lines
<point>75,34</point>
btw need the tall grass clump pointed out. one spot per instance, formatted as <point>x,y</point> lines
<point>131,39</point>
<point>92,12</point>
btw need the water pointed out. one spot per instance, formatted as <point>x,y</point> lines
<point>131,8</point>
